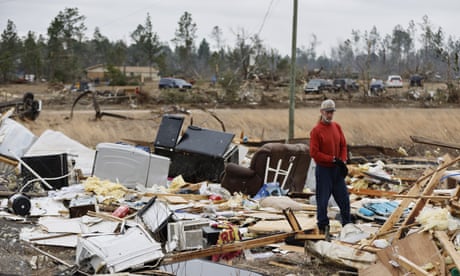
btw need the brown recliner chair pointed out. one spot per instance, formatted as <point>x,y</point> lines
<point>249,180</point>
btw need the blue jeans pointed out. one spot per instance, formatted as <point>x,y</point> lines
<point>330,182</point>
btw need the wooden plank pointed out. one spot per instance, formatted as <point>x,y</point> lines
<point>9,161</point>
<point>430,197</point>
<point>448,246</point>
<point>411,267</point>
<point>313,236</point>
<point>371,192</point>
<point>420,203</point>
<point>290,217</point>
<point>225,248</point>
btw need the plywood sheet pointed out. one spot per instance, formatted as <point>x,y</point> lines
<point>419,248</point>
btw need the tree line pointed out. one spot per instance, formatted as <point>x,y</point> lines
<point>64,52</point>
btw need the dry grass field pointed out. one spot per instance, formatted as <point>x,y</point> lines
<point>373,123</point>
<point>389,127</point>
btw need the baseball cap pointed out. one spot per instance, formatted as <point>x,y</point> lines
<point>328,105</point>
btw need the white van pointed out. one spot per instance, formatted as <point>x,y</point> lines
<point>394,81</point>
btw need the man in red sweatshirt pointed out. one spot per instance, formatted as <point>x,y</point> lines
<point>328,148</point>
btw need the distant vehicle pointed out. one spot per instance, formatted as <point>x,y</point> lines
<point>376,87</point>
<point>81,86</point>
<point>347,85</point>
<point>394,81</point>
<point>416,80</point>
<point>174,83</point>
<point>166,83</point>
<point>318,86</point>
<point>183,84</point>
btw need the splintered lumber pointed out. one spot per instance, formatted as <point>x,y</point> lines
<point>414,191</point>
<point>448,246</point>
<point>225,248</point>
<point>420,203</point>
<point>396,215</point>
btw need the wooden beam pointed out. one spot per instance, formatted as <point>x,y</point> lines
<point>430,197</point>
<point>371,192</point>
<point>9,161</point>
<point>293,222</point>
<point>448,246</point>
<point>428,141</point>
<point>312,236</point>
<point>225,248</point>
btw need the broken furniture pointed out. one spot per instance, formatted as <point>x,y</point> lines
<point>249,180</point>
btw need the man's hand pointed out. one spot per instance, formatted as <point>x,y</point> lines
<point>342,166</point>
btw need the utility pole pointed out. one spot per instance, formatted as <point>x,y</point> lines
<point>293,72</point>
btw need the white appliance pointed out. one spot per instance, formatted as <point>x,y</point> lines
<point>130,166</point>
<point>186,234</point>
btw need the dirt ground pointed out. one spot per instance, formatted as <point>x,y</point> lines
<point>387,121</point>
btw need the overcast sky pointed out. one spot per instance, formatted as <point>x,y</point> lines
<point>330,20</point>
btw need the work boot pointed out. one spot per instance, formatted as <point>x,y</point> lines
<point>324,230</point>
<point>327,235</point>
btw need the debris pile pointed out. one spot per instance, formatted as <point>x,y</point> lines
<point>127,208</point>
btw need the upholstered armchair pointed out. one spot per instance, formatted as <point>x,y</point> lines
<point>295,158</point>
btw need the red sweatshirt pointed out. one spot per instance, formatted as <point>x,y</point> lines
<point>326,142</point>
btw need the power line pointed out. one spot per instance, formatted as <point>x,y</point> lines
<point>265,17</point>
